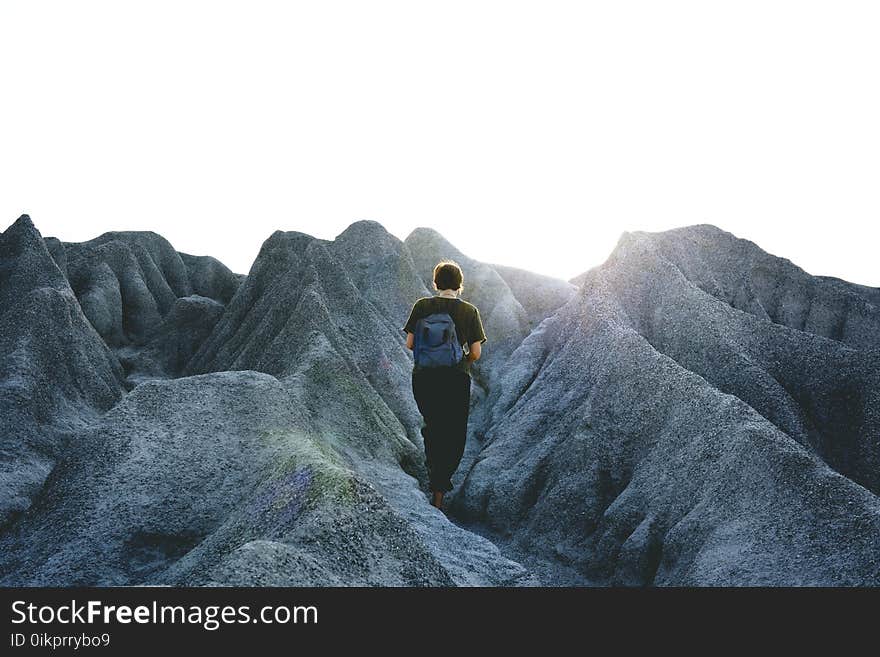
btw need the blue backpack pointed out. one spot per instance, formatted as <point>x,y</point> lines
<point>435,342</point>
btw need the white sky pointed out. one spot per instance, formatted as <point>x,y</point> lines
<point>530,134</point>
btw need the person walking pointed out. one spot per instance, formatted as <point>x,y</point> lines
<point>446,336</point>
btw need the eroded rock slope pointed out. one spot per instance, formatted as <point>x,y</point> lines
<point>660,429</point>
<point>56,374</point>
<point>693,411</point>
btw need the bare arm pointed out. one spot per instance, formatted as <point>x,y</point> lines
<point>474,351</point>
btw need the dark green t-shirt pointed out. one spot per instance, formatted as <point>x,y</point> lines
<point>468,326</point>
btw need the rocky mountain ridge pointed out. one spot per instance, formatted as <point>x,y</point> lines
<point>693,411</point>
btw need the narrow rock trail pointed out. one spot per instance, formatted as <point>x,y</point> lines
<point>470,557</point>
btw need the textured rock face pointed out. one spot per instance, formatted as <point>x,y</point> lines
<point>540,296</point>
<point>55,371</point>
<point>174,342</point>
<point>208,277</point>
<point>151,304</point>
<point>742,275</point>
<point>300,312</point>
<point>128,281</point>
<point>651,433</point>
<point>869,294</point>
<point>230,487</point>
<point>695,411</point>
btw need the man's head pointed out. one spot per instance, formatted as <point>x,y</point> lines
<point>448,276</point>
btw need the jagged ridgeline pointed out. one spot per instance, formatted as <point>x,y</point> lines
<point>693,411</point>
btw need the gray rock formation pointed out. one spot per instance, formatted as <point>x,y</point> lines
<point>540,296</point>
<point>129,285</point>
<point>869,294</point>
<point>299,312</point>
<point>126,282</point>
<point>208,277</point>
<point>340,402</point>
<point>182,331</point>
<point>653,433</point>
<point>694,411</point>
<point>742,275</point>
<point>56,374</point>
<point>231,486</point>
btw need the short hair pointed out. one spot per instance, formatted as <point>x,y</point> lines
<point>448,276</point>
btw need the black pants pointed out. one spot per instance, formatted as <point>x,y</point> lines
<point>443,395</point>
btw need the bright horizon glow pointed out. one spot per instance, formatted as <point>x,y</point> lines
<point>528,134</point>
